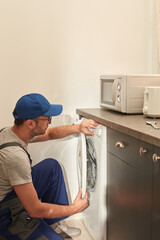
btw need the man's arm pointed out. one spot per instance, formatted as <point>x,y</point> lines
<point>64,131</point>
<point>29,199</point>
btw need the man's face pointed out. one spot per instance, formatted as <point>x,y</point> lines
<point>41,125</point>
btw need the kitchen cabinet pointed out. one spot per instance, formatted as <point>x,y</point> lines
<point>156,197</point>
<point>129,191</point>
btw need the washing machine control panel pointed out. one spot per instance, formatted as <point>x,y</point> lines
<point>97,131</point>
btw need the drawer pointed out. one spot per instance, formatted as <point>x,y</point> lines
<point>123,146</point>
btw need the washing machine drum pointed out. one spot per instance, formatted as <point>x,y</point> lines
<point>91,165</point>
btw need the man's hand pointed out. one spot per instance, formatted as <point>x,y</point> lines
<point>87,123</point>
<point>79,203</point>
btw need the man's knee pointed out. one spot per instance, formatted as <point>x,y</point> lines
<point>53,164</point>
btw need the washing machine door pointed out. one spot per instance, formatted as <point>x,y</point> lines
<point>87,164</point>
<point>82,164</point>
<point>91,164</point>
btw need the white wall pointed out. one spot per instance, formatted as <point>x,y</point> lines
<point>60,48</point>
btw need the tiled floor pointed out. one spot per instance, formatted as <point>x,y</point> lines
<point>79,223</point>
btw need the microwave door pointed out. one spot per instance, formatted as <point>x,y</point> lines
<point>106,90</point>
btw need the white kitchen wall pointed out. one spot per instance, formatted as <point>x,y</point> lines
<point>60,48</point>
<point>157,25</point>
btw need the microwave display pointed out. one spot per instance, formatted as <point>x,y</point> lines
<point>106,91</point>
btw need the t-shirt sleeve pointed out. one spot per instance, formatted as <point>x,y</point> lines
<point>17,168</point>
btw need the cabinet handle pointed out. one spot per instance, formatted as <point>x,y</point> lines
<point>155,158</point>
<point>120,144</point>
<point>142,151</point>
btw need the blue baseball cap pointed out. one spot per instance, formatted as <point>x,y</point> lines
<point>33,105</point>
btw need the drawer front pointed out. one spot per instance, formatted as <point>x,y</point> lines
<point>123,146</point>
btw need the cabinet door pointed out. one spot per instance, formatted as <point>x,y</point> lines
<point>156,198</point>
<point>145,165</point>
<point>128,200</point>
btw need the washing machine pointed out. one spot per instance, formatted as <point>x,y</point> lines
<point>92,177</point>
<point>83,161</point>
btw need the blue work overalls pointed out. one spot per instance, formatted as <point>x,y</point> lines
<point>16,224</point>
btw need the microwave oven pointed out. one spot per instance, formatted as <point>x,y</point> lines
<point>125,93</point>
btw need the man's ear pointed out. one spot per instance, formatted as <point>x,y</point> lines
<point>30,124</point>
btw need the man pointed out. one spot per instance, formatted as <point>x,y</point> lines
<point>31,199</point>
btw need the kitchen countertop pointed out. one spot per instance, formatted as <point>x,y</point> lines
<point>133,125</point>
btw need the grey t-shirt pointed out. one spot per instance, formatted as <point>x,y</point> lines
<point>15,168</point>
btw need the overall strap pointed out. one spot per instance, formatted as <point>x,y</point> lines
<point>10,144</point>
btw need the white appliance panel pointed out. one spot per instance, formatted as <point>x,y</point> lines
<point>96,213</point>
<point>66,151</point>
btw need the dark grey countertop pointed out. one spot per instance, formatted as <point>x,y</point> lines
<point>133,125</point>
